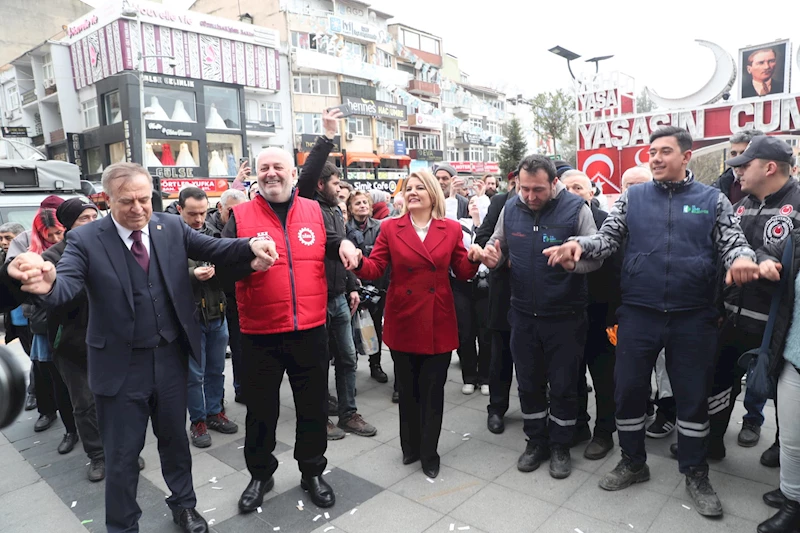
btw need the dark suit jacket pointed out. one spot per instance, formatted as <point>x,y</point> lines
<point>500,277</point>
<point>748,91</point>
<point>94,259</point>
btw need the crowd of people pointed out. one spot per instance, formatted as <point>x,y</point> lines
<point>676,279</point>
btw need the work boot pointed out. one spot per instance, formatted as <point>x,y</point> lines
<point>334,433</point>
<point>699,488</point>
<point>774,498</point>
<point>787,520</point>
<point>560,462</point>
<point>219,422</point>
<point>772,456</point>
<point>377,373</point>
<point>532,457</point>
<point>625,474</point>
<point>356,424</point>
<point>97,470</point>
<point>601,444</point>
<point>582,434</point>
<point>200,436</point>
<point>749,435</point>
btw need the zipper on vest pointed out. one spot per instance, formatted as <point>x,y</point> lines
<point>289,258</point>
<point>669,247</point>
<point>536,230</point>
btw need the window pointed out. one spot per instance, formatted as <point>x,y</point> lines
<point>116,152</point>
<point>449,97</point>
<point>475,123</point>
<point>410,39</point>
<point>475,153</point>
<point>47,70</point>
<point>271,112</point>
<point>382,95</point>
<point>320,85</point>
<point>222,108</point>
<point>308,123</point>
<point>94,159</point>
<point>169,105</point>
<point>12,97</point>
<point>386,130</point>
<point>492,155</point>
<point>224,152</point>
<point>453,154</point>
<point>430,142</point>
<point>113,110</point>
<point>428,44</point>
<point>251,110</point>
<point>361,126</point>
<point>412,140</point>
<point>355,51</point>
<point>498,104</point>
<point>384,58</point>
<point>312,41</point>
<point>90,118</point>
<point>493,127</point>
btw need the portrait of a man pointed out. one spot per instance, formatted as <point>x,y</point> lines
<point>762,70</point>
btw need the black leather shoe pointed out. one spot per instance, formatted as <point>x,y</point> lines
<point>774,498</point>
<point>44,422</point>
<point>772,456</point>
<point>68,443</point>
<point>31,403</point>
<point>410,458</point>
<point>141,463</point>
<point>601,444</point>
<point>431,470</point>
<point>495,424</point>
<point>190,521</point>
<point>253,495</point>
<point>377,373</point>
<point>321,493</point>
<point>787,520</point>
<point>395,397</point>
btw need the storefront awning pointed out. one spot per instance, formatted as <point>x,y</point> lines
<point>302,156</point>
<point>404,159</point>
<point>362,157</point>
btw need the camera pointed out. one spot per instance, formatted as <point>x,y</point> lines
<point>370,294</point>
<point>12,387</point>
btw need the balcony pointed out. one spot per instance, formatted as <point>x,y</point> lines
<point>424,88</point>
<point>28,97</point>
<point>312,61</point>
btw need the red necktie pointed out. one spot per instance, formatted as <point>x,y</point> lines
<point>139,251</point>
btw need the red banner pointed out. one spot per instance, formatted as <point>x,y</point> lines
<point>475,167</point>
<point>210,185</point>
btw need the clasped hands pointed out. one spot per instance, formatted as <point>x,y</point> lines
<point>36,274</point>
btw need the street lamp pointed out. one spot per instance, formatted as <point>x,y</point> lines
<point>571,56</point>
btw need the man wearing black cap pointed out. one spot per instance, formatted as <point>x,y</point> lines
<point>457,204</point>
<point>766,215</point>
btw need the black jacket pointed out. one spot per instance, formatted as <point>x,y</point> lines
<point>340,281</point>
<point>604,282</point>
<point>72,317</point>
<point>365,241</point>
<point>208,295</point>
<point>724,182</point>
<point>500,277</point>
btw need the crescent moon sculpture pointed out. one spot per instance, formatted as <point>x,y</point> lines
<point>720,83</point>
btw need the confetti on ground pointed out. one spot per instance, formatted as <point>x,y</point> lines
<point>86,522</point>
<point>463,528</point>
<point>467,434</point>
<point>212,480</point>
<point>87,464</point>
<point>578,530</point>
<point>325,473</point>
<point>240,447</point>
<point>276,528</point>
<point>217,488</point>
<point>452,527</point>
<point>465,438</point>
<point>300,503</point>
<point>430,480</point>
<point>686,507</point>
<point>328,528</point>
<point>209,510</point>
<point>259,510</point>
<point>353,511</point>
<point>630,526</point>
<point>327,516</point>
<point>73,505</point>
<point>37,442</point>
<point>280,462</point>
<point>299,508</point>
<point>317,517</point>
<point>211,522</point>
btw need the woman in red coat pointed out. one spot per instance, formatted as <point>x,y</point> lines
<point>420,318</point>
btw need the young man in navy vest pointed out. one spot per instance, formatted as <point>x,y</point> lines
<point>677,232</point>
<point>548,309</point>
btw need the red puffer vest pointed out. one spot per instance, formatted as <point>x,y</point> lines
<point>293,294</point>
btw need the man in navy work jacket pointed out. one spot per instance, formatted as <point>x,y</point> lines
<point>141,328</point>
<point>678,231</point>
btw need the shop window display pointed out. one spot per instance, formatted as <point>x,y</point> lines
<point>94,160</point>
<point>113,110</point>
<point>224,153</point>
<point>169,105</point>
<point>116,152</point>
<point>222,108</point>
<point>162,153</point>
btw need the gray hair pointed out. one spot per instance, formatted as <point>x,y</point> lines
<point>12,227</point>
<point>122,171</point>
<point>573,173</point>
<point>378,196</point>
<point>232,194</point>
<point>745,136</point>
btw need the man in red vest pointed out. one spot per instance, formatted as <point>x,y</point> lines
<point>282,315</point>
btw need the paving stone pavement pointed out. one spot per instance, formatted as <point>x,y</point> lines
<point>478,489</point>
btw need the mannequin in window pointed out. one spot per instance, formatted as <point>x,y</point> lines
<point>151,158</point>
<point>215,121</point>
<point>166,155</point>
<point>180,114</point>
<point>216,167</point>
<point>156,112</point>
<point>185,158</point>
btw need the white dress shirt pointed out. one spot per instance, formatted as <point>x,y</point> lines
<point>422,232</point>
<point>125,235</point>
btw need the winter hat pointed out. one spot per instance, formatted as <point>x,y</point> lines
<point>51,202</point>
<point>561,167</point>
<point>447,168</point>
<point>69,211</point>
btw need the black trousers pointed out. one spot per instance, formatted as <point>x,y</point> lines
<point>75,375</point>
<point>501,372</point>
<point>599,358</point>
<point>420,381</point>
<point>52,394</point>
<point>265,358</point>
<point>472,315</point>
<point>154,388</point>
<point>234,341</point>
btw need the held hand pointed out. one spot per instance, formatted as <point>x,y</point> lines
<point>36,274</point>
<point>353,300</point>
<point>564,254</point>
<point>330,118</point>
<point>261,265</point>
<point>770,270</point>
<point>475,253</point>
<point>264,249</point>
<point>491,256</point>
<point>350,255</point>
<point>204,273</point>
<point>742,271</point>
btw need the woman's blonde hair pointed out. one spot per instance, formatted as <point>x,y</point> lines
<point>431,185</point>
<point>352,199</point>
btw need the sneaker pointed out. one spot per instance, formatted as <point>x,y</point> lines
<point>699,488</point>
<point>97,470</point>
<point>467,388</point>
<point>532,457</point>
<point>200,436</point>
<point>749,435</point>
<point>356,424</point>
<point>560,462</point>
<point>772,456</point>
<point>651,412</point>
<point>485,390</point>
<point>334,433</point>
<point>219,422</point>
<point>660,428</point>
<point>625,474</point>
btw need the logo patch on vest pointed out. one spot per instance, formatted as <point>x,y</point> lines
<point>306,236</point>
<point>740,210</point>
<point>551,239</point>
<point>777,228</point>
<point>694,210</point>
<point>786,210</point>
<point>264,235</point>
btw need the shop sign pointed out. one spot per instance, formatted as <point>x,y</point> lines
<point>14,131</point>
<point>399,148</point>
<point>173,186</point>
<point>360,174</point>
<point>126,126</point>
<point>155,126</point>
<point>471,138</point>
<point>307,142</point>
<point>390,174</point>
<point>175,172</point>
<point>424,154</point>
<point>372,108</point>
<point>255,125</point>
<point>475,167</point>
<point>389,186</point>
<point>82,26</point>
<point>75,148</point>
<point>164,80</point>
<point>351,28</point>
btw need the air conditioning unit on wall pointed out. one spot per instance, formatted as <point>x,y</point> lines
<point>350,136</point>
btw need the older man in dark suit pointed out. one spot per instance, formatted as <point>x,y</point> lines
<point>141,332</point>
